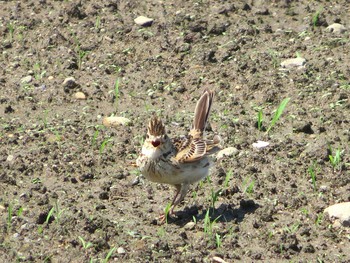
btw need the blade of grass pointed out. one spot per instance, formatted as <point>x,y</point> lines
<point>278,113</point>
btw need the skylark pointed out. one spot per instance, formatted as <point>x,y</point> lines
<point>180,161</point>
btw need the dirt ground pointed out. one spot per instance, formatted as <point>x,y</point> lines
<point>69,189</point>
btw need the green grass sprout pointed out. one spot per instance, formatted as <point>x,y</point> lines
<point>278,113</point>
<point>312,172</point>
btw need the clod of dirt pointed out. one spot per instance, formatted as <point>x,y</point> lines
<point>69,84</point>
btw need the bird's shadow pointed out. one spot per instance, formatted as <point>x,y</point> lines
<point>224,213</point>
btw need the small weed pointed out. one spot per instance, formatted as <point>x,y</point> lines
<point>248,187</point>
<point>96,133</point>
<point>334,159</point>
<point>304,211</point>
<point>81,54</point>
<point>228,176</point>
<point>9,217</point>
<point>194,219</point>
<point>319,219</point>
<point>11,29</point>
<point>86,245</point>
<point>218,240</point>
<point>312,172</point>
<point>109,255</point>
<point>116,93</point>
<point>209,224</point>
<point>214,197</point>
<point>278,113</point>
<point>98,22</point>
<point>166,212</point>
<point>104,144</point>
<point>260,119</point>
<point>316,18</point>
<point>294,228</point>
<point>20,211</point>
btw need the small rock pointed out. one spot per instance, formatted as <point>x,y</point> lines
<point>50,77</point>
<point>190,225</point>
<point>323,188</point>
<point>10,158</point>
<point>143,21</point>
<point>114,121</point>
<point>260,144</point>
<point>293,62</point>
<point>121,250</point>
<point>70,83</point>
<point>340,213</point>
<point>80,95</point>
<point>218,259</point>
<point>228,152</point>
<point>336,28</point>
<point>26,79</point>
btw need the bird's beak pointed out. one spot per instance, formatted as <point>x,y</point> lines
<point>155,143</point>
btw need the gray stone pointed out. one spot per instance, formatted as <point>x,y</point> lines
<point>293,62</point>
<point>26,79</point>
<point>143,21</point>
<point>70,83</point>
<point>227,152</point>
<point>336,28</point>
<point>339,213</point>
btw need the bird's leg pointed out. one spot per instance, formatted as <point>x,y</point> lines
<point>171,212</point>
<point>182,190</point>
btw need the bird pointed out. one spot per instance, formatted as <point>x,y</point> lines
<point>180,161</point>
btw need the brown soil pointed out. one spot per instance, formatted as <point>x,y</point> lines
<point>69,190</point>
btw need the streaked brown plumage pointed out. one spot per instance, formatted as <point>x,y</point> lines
<point>180,161</point>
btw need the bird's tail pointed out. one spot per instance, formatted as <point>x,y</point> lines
<point>202,111</point>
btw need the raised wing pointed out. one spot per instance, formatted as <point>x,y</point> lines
<point>190,150</point>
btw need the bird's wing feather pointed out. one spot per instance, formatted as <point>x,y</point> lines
<point>191,150</point>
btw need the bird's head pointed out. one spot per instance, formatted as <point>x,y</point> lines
<point>156,139</point>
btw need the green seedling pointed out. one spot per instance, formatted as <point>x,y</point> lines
<point>49,215</point>
<point>96,133</point>
<point>20,211</point>
<point>278,113</point>
<point>98,22</point>
<point>86,245</point>
<point>9,217</point>
<point>11,29</point>
<point>312,172</point>
<point>104,144</point>
<point>319,219</point>
<point>218,240</point>
<point>334,159</point>
<point>116,92</point>
<point>194,219</point>
<point>294,228</point>
<point>248,187</point>
<point>166,212</point>
<point>208,224</point>
<point>109,255</point>
<point>228,176</point>
<point>316,18</point>
<point>214,197</point>
<point>81,55</point>
<point>260,119</point>
<point>44,118</point>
